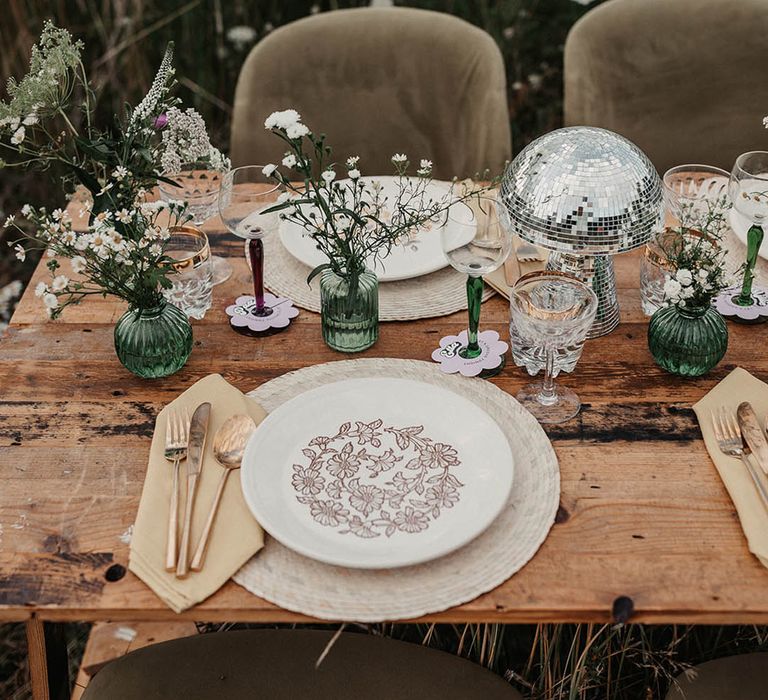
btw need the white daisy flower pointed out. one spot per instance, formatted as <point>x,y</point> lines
<point>352,161</point>
<point>18,136</point>
<point>59,283</point>
<point>21,254</point>
<point>119,173</point>
<point>399,158</point>
<point>124,216</point>
<point>78,264</point>
<point>354,174</point>
<point>50,300</point>
<point>289,161</point>
<point>268,169</point>
<point>26,210</point>
<point>41,289</point>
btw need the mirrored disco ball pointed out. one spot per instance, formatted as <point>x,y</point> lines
<point>584,193</point>
<point>583,190</point>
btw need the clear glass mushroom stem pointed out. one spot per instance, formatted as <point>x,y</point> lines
<point>754,241</point>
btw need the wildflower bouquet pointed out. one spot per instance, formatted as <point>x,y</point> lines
<point>695,257</point>
<point>350,220</point>
<point>122,252</point>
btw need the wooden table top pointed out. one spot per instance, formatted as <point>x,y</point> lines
<point>643,513</point>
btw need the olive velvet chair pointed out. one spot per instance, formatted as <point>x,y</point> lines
<point>742,677</point>
<point>379,81</point>
<point>280,665</point>
<point>684,79</point>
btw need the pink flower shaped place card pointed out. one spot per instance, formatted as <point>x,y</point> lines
<point>241,313</point>
<point>491,356</point>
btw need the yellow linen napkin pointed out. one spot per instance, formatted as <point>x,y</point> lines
<point>738,386</point>
<point>236,536</point>
<point>498,280</point>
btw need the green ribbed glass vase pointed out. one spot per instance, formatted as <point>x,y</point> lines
<point>349,310</point>
<point>687,342</point>
<point>153,342</point>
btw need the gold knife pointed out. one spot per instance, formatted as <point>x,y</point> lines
<point>753,434</point>
<point>198,429</point>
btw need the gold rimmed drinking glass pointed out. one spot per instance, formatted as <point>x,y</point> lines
<point>198,185</point>
<point>192,282</point>
<point>551,310</point>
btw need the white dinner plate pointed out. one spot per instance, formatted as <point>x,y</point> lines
<point>376,473</point>
<point>740,225</point>
<point>420,254</point>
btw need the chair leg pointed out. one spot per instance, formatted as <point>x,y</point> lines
<point>48,660</point>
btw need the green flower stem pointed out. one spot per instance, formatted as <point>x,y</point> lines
<point>474,299</point>
<point>754,241</point>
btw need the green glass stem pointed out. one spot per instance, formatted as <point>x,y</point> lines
<point>754,241</point>
<point>474,300</point>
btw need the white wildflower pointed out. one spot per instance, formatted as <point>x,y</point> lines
<point>82,242</point>
<point>241,35</point>
<point>684,277</point>
<point>268,169</point>
<point>289,161</point>
<point>26,210</point>
<point>9,221</point>
<point>120,173</point>
<point>156,249</point>
<point>78,264</point>
<point>352,161</point>
<point>41,289</point>
<point>99,243</point>
<point>30,120</point>
<point>68,238</point>
<point>354,174</point>
<point>282,120</point>
<point>149,105</point>
<point>185,140</point>
<point>18,136</point>
<point>51,301</point>
<point>124,216</point>
<point>672,288</point>
<point>296,131</point>
<point>329,176</point>
<point>765,122</point>
<point>21,254</point>
<point>59,283</point>
<point>399,158</point>
<point>283,197</point>
<point>14,123</point>
<point>425,164</point>
<point>57,214</point>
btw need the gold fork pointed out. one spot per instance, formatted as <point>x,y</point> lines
<point>729,440</point>
<point>176,439</point>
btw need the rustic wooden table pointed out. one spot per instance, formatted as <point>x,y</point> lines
<point>644,517</point>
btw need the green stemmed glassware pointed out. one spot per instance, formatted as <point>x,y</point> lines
<point>475,245</point>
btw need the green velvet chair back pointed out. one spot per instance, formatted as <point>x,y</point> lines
<point>686,80</point>
<point>379,81</point>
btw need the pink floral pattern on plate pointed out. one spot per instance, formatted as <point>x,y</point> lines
<point>372,480</point>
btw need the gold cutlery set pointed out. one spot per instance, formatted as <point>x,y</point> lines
<point>185,440</point>
<point>743,437</point>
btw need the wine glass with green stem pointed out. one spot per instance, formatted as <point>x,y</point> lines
<point>748,190</point>
<point>475,243</point>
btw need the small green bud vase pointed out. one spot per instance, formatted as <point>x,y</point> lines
<point>349,310</point>
<point>153,342</point>
<point>687,342</point>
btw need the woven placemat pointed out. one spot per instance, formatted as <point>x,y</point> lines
<point>437,294</point>
<point>328,592</point>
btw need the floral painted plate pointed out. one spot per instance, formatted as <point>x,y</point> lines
<point>417,254</point>
<point>377,473</point>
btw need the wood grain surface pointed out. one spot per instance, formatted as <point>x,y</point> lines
<point>643,513</point>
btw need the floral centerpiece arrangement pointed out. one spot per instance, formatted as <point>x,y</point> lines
<point>688,336</point>
<point>352,221</point>
<point>122,253</point>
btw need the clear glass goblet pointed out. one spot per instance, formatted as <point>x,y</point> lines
<point>198,185</point>
<point>748,190</point>
<point>475,243</point>
<point>243,198</point>
<point>691,191</point>
<point>551,310</point>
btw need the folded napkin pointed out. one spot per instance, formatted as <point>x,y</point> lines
<point>236,536</point>
<point>738,386</point>
<point>498,279</point>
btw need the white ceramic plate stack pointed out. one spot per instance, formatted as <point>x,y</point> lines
<point>377,473</point>
<point>398,493</point>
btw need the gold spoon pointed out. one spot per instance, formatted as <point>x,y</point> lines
<point>228,447</point>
